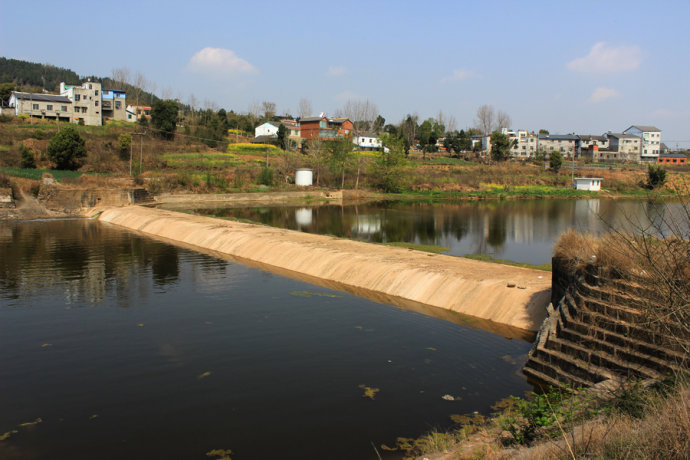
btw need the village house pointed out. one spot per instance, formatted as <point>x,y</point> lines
<point>114,105</point>
<point>45,106</point>
<point>651,141</point>
<point>367,141</point>
<point>672,159</point>
<point>86,100</point>
<point>622,147</point>
<point>566,144</point>
<point>324,128</point>
<point>524,144</point>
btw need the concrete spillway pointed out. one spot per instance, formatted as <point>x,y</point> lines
<point>502,294</point>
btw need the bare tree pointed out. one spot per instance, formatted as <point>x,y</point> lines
<point>140,85</point>
<point>193,104</point>
<point>361,113</point>
<point>166,93</point>
<point>451,125</point>
<point>269,109</point>
<point>254,109</point>
<point>305,109</point>
<point>502,120</point>
<point>485,119</point>
<point>409,126</point>
<point>120,77</point>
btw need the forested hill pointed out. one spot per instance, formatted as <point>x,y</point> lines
<point>29,74</point>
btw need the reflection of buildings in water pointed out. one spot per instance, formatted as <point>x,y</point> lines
<point>366,224</point>
<point>304,216</point>
<point>586,214</point>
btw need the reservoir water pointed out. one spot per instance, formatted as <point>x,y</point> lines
<point>522,231</point>
<point>118,346</point>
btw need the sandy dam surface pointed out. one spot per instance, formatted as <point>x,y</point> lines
<point>501,294</point>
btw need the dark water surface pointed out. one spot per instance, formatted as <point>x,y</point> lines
<point>518,230</point>
<point>126,347</point>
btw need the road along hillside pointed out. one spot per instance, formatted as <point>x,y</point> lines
<point>502,294</point>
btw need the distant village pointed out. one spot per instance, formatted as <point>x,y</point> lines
<point>90,104</point>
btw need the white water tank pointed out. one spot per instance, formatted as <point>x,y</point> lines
<point>303,177</point>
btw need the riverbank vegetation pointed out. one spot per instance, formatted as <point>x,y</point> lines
<point>187,164</point>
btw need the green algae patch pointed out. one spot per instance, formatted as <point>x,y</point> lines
<point>312,294</point>
<point>488,258</point>
<point>419,247</point>
<point>204,375</point>
<point>369,392</point>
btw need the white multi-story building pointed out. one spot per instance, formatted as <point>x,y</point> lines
<point>651,141</point>
<point>566,144</point>
<point>623,147</point>
<point>86,102</point>
<point>524,145</point>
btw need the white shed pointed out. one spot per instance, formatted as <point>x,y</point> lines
<point>592,184</point>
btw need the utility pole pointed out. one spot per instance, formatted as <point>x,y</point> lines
<point>141,152</point>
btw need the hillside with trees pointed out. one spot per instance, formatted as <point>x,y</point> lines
<point>32,75</point>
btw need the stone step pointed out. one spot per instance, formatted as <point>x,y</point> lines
<point>620,327</point>
<point>614,311</point>
<point>613,296</point>
<point>625,351</point>
<point>585,371</point>
<point>600,358</point>
<point>670,351</point>
<point>546,371</point>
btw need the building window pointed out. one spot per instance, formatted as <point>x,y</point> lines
<point>77,97</point>
<point>63,108</point>
<point>49,107</point>
<point>96,93</point>
<point>118,104</point>
<point>34,106</point>
<point>96,103</point>
<point>322,124</point>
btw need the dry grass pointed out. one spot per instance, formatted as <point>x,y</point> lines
<point>663,432</point>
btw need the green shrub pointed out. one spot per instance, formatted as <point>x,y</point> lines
<point>67,149</point>
<point>656,176</point>
<point>27,160</point>
<point>265,176</point>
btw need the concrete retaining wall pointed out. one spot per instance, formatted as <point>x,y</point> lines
<point>507,295</point>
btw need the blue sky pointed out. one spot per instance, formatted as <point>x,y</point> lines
<point>584,67</point>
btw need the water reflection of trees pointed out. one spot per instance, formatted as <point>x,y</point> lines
<point>85,260</point>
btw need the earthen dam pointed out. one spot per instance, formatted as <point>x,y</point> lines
<point>500,294</point>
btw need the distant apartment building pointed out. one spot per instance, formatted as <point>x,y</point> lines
<point>325,128</point>
<point>86,102</point>
<point>651,141</point>
<point>524,144</point>
<point>566,144</point>
<point>114,104</point>
<point>45,106</point>
<point>622,147</point>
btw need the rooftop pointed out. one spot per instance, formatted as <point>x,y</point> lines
<point>646,129</point>
<point>41,97</point>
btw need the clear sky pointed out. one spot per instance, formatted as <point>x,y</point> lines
<point>578,66</point>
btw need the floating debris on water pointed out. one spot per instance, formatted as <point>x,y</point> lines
<point>46,345</point>
<point>204,375</point>
<point>94,416</point>
<point>7,434</point>
<point>140,324</point>
<point>35,422</point>
<point>448,397</point>
<point>311,294</point>
<point>222,454</point>
<point>208,322</point>
<point>369,392</point>
<point>431,348</point>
